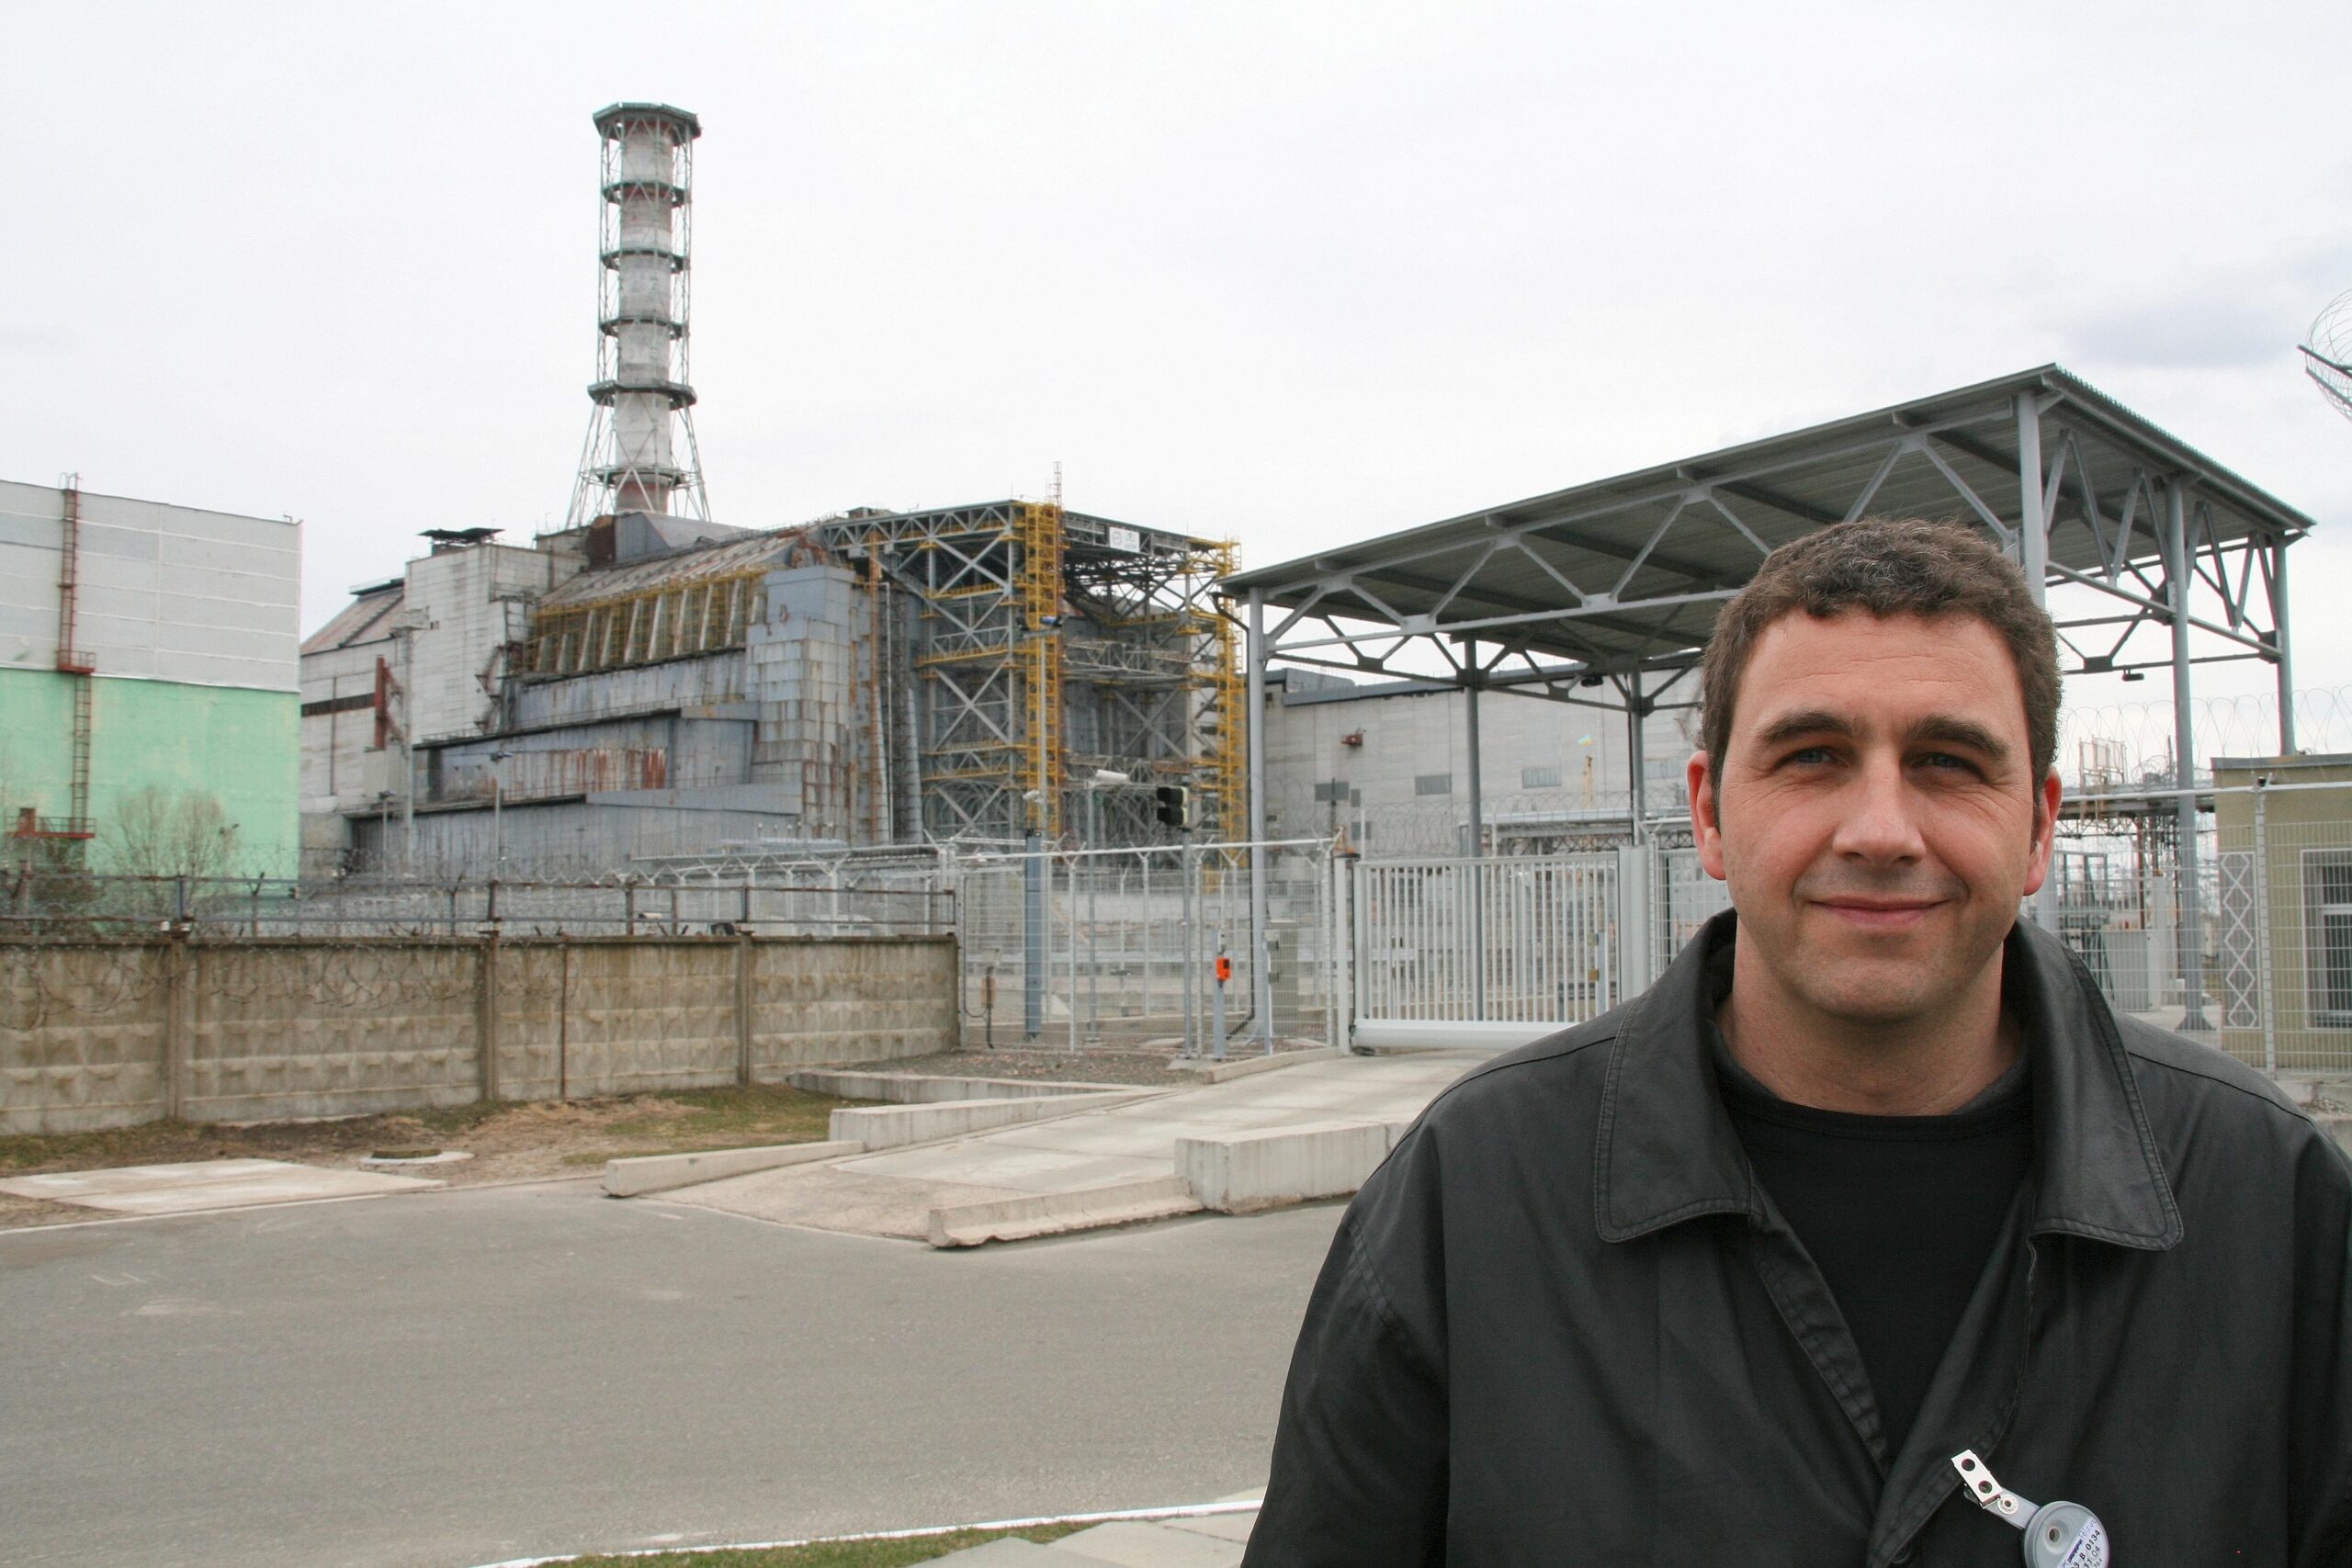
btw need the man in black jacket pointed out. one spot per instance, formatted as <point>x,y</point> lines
<point>1872,1178</point>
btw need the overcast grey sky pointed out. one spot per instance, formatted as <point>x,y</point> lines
<point>1296,273</point>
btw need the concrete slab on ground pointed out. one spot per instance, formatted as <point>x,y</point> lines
<point>829,1198</point>
<point>1131,1544</point>
<point>1012,1552</point>
<point>891,1191</point>
<point>205,1185</point>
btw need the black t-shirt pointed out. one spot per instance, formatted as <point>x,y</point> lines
<point>1899,1211</point>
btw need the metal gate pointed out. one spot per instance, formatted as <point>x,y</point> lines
<point>1119,949</point>
<point>1492,952</point>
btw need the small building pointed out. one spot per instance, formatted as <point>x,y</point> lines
<point>2283,935</point>
<point>148,685</point>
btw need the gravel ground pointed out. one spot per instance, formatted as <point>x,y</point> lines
<point>511,1141</point>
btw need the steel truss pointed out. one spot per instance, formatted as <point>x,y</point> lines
<point>1049,646</point>
<point>1605,595</point>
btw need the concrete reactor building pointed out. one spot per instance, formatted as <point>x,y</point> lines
<point>646,685</point>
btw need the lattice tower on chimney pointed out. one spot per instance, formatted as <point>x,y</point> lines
<point>631,460</point>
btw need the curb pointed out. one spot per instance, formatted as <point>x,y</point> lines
<point>1276,1168</point>
<point>641,1174</point>
<point>1057,1213</point>
<point>1209,1071</point>
<point>880,1127</point>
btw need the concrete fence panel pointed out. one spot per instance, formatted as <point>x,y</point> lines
<point>287,1029</point>
<point>81,1034</point>
<point>650,1015</point>
<point>865,999</point>
<point>98,1034</point>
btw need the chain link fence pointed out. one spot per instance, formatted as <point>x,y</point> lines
<point>1148,947</point>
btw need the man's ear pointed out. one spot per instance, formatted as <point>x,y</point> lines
<point>2045,831</point>
<point>1706,822</point>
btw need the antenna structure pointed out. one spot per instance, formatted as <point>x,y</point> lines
<point>2327,353</point>
<point>631,461</point>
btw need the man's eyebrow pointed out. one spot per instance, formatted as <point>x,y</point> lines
<point>1804,722</point>
<point>1937,728</point>
<point>1950,731</point>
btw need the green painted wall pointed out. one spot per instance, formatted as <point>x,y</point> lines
<point>240,747</point>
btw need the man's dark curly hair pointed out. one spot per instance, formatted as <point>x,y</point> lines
<point>1888,566</point>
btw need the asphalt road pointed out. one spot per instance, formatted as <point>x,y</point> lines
<point>454,1377</point>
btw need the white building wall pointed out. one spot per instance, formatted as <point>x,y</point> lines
<point>340,764</point>
<point>466,606</point>
<point>1410,736</point>
<point>166,593</point>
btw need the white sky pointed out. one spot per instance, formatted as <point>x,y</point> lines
<point>1292,272</point>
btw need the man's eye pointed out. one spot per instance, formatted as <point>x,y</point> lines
<point>1811,756</point>
<point>1946,760</point>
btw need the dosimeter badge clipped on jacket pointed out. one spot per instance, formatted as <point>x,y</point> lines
<point>2057,1535</point>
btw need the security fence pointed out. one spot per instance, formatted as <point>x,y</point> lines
<point>51,903</point>
<point>1152,947</point>
<point>2283,938</point>
<point>1149,946</point>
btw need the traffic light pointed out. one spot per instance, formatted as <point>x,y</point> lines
<point>1174,805</point>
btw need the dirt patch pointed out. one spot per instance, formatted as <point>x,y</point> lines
<point>510,1141</point>
<point>1153,1068</point>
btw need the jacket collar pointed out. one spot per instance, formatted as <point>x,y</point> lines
<point>1666,1150</point>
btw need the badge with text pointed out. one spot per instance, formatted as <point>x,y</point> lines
<point>2057,1535</point>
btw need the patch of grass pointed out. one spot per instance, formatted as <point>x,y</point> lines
<point>836,1553</point>
<point>459,1118</point>
<point>148,1144</point>
<point>704,1120</point>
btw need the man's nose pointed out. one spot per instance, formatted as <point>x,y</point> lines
<point>1879,824</point>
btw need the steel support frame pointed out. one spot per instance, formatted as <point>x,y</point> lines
<point>2076,482</point>
<point>1143,663</point>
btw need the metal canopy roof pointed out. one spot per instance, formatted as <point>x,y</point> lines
<point>1627,573</point>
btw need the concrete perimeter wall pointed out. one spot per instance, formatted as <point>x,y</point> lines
<point>104,1033</point>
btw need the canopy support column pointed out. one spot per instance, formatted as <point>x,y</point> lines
<point>2188,903</point>
<point>1636,765</point>
<point>1261,980</point>
<point>1473,678</point>
<point>2033,556</point>
<point>2278,552</point>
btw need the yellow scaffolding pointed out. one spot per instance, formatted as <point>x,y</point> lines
<point>1038,534</point>
<point>1228,737</point>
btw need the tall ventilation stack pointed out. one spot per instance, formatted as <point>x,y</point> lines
<point>631,461</point>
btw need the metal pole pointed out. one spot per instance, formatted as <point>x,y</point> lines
<point>1145,861</point>
<point>408,751</point>
<point>2033,557</point>
<point>1477,881</point>
<point>2189,936</point>
<point>1071,881</point>
<point>1637,764</point>
<point>1470,736</point>
<point>1216,1008</point>
<point>1261,974</point>
<point>1190,870</point>
<point>1033,940</point>
<point>497,838</point>
<point>2285,656</point>
<point>2263,977</point>
<point>1094,922</point>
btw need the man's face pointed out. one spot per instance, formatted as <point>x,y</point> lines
<point>1877,817</point>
